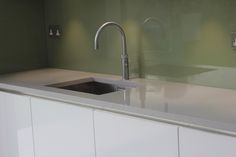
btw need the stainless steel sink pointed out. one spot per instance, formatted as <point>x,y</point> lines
<point>94,86</point>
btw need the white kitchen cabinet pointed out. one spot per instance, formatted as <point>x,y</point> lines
<point>62,130</point>
<point>194,143</point>
<point>16,138</point>
<point>124,136</point>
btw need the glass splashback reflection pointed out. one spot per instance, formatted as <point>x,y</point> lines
<point>178,40</point>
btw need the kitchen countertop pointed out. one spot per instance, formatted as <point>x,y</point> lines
<point>200,107</point>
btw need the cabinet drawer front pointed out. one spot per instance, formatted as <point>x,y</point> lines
<point>62,130</point>
<point>194,143</point>
<point>123,136</point>
<point>16,139</point>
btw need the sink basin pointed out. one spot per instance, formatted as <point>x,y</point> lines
<point>94,86</point>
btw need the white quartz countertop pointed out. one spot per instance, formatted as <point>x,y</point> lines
<point>205,108</point>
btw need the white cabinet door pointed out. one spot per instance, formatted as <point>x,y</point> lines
<point>194,143</point>
<point>62,130</point>
<point>16,138</point>
<point>123,136</point>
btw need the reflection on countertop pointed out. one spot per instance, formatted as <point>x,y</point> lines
<point>176,71</point>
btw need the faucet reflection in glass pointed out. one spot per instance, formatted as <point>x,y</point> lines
<point>124,55</point>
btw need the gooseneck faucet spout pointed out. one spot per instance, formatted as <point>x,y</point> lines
<point>124,55</point>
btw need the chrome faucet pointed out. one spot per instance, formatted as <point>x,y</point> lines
<point>124,55</point>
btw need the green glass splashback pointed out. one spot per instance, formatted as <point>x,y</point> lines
<point>22,35</point>
<point>179,40</point>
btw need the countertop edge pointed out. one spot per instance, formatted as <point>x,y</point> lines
<point>169,118</point>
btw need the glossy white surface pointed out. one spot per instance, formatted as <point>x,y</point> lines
<point>124,136</point>
<point>62,130</point>
<point>195,143</point>
<point>207,108</point>
<point>16,138</point>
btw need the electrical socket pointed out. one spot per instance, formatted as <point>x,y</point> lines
<point>54,31</point>
<point>233,40</point>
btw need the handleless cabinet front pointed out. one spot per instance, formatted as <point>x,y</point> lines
<point>16,139</point>
<point>124,136</point>
<point>195,143</point>
<point>62,130</point>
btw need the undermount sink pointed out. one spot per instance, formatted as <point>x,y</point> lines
<point>95,86</point>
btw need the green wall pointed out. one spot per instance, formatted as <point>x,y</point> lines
<point>182,38</point>
<point>22,35</point>
<point>79,20</point>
